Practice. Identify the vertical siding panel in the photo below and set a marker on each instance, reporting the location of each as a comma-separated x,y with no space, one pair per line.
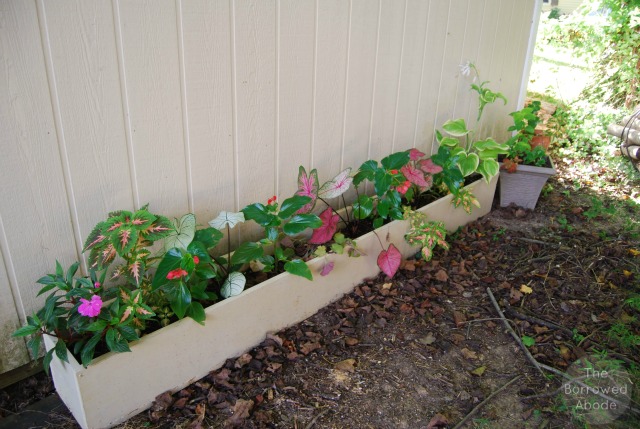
209,105
330,81
360,82
13,352
85,66
34,206
387,75
457,18
412,62
256,98
152,74
295,90
433,57
495,120
482,59
470,48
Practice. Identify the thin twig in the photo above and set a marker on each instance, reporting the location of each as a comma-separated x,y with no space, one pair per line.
538,321
513,334
483,403
530,240
313,422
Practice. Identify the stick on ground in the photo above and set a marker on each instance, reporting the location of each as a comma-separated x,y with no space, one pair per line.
513,334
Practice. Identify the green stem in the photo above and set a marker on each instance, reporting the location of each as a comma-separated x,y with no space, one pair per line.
346,211
228,250
334,210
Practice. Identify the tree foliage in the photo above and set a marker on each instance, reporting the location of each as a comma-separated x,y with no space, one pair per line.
606,33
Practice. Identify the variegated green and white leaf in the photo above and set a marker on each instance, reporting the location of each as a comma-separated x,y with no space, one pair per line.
225,219
184,230
233,285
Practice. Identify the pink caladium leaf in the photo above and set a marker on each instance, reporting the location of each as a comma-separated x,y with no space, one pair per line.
336,186
389,260
428,166
415,154
326,268
327,229
307,187
414,175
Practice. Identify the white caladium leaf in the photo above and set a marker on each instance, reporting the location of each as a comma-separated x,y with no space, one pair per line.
233,285
225,219
182,235
336,186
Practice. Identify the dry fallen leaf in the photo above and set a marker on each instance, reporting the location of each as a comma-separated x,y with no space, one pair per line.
515,295
438,421
459,318
350,341
479,371
347,365
526,289
442,276
469,354
240,412
428,339
634,252
243,360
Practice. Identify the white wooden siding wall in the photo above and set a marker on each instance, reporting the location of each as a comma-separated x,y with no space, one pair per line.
202,105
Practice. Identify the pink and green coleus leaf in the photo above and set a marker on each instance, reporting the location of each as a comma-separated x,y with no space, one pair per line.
336,186
142,219
389,260
307,187
414,176
96,236
124,239
158,229
329,227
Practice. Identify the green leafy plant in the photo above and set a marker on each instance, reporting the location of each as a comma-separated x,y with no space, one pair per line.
621,333
519,146
528,341
186,270
279,222
75,314
598,209
460,154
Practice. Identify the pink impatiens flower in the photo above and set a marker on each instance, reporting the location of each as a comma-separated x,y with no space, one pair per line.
90,308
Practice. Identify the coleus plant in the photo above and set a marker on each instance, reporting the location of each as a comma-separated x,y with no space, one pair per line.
130,236
279,221
424,233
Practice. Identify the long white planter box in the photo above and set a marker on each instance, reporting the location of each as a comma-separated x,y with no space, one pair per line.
117,386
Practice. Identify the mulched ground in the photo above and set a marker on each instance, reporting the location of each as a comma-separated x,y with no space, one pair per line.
425,348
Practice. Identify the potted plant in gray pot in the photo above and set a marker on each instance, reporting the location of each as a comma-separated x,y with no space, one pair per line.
525,169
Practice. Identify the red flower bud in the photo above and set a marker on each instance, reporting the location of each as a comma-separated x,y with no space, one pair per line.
196,260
